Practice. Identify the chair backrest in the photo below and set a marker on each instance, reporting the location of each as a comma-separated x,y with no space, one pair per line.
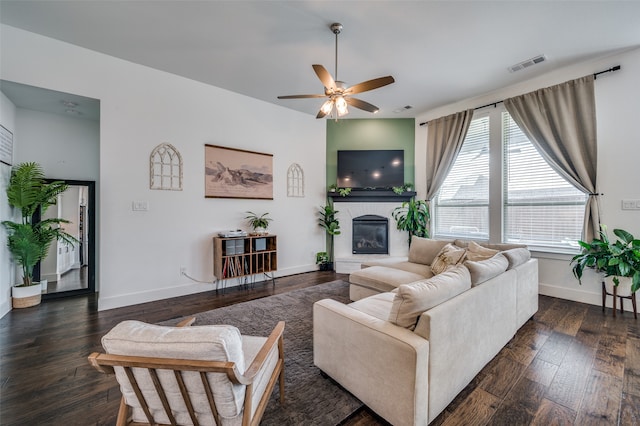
163,389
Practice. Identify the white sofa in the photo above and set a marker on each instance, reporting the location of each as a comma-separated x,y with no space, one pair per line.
408,363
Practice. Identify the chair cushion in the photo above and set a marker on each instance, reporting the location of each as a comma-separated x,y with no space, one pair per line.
449,256
476,252
484,270
424,250
411,300
208,343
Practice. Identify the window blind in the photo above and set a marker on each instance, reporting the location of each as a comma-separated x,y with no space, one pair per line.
541,209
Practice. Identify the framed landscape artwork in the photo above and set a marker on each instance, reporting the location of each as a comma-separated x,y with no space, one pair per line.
236,173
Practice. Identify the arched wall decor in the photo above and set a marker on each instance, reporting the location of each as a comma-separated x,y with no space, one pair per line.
165,168
295,181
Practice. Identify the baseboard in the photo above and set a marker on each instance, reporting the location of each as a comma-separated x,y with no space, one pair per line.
129,299
577,295
5,308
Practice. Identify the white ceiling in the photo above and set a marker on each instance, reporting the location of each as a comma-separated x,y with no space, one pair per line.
437,51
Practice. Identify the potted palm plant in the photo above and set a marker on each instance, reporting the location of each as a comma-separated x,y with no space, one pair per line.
413,216
331,225
618,261
259,223
29,241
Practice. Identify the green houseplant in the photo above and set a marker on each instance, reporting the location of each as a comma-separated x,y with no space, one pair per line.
619,259
29,241
413,216
331,225
259,224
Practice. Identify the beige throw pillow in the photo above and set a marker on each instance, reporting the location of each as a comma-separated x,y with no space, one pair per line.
449,256
517,256
424,250
411,300
476,252
484,270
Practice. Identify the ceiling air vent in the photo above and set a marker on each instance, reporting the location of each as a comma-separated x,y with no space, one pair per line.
402,109
526,64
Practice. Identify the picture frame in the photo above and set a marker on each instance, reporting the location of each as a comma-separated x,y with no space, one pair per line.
6,146
237,173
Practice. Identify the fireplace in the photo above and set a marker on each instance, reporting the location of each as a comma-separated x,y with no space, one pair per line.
370,235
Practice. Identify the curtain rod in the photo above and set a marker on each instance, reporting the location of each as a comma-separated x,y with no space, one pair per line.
595,76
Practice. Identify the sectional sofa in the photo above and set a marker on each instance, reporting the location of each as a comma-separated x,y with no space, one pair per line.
421,328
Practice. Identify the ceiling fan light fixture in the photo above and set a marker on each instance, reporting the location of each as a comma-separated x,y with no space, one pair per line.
327,107
341,106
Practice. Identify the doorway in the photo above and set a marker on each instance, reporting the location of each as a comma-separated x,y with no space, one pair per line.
69,269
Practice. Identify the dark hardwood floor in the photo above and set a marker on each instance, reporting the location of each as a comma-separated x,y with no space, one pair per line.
570,365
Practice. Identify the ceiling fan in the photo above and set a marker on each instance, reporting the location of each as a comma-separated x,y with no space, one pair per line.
337,92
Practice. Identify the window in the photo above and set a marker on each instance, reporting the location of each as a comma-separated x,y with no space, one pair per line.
541,209
527,203
461,208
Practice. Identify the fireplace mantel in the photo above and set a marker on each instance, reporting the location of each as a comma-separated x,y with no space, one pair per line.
371,196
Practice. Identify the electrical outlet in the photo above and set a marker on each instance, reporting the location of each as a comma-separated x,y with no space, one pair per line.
183,270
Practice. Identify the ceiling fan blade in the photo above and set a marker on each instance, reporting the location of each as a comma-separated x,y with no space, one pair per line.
301,96
325,77
366,106
369,85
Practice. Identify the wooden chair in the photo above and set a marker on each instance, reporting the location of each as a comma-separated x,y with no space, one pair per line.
189,386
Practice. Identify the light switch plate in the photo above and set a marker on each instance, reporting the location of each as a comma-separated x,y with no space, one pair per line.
139,206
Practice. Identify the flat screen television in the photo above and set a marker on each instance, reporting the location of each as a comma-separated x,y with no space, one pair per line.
377,169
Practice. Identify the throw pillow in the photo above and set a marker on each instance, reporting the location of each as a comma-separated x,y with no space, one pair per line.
424,250
517,256
450,255
411,300
484,270
476,252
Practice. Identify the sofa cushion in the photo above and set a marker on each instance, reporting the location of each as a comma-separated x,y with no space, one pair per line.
378,305
411,300
517,256
484,270
382,278
498,246
416,268
449,256
476,252
424,250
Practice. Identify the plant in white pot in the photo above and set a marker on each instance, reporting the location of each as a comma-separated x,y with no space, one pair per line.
29,242
618,262
259,223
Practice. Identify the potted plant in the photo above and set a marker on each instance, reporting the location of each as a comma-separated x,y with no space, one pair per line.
413,216
333,187
29,242
402,189
331,225
322,260
618,261
259,224
344,191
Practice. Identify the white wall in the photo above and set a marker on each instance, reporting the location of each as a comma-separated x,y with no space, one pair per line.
141,252
7,270
617,107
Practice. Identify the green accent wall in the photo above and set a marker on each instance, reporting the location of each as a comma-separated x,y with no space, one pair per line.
366,133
